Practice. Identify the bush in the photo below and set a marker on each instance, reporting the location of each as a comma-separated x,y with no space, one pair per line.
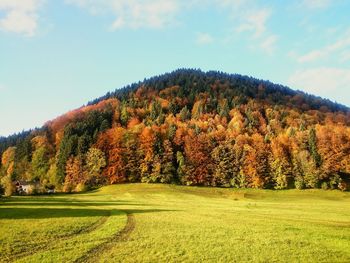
324,186
67,187
343,186
81,187
35,189
334,181
2,190
299,184
8,186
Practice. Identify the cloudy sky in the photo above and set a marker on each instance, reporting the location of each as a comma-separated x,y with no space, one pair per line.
57,55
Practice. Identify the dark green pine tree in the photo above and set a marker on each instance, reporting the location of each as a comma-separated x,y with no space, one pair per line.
181,167
68,147
168,169
185,114
156,110
224,170
84,143
223,109
124,114
313,147
131,158
173,107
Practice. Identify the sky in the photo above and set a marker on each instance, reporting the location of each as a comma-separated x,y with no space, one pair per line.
56,55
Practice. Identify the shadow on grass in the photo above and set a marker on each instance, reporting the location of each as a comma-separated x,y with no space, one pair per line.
46,213
25,201
69,204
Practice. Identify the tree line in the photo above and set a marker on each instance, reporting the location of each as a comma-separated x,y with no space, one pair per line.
190,128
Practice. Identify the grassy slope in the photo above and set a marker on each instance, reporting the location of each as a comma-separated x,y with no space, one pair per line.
176,224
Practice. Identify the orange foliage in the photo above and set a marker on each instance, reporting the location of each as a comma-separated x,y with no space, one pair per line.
39,141
111,142
133,122
60,122
169,92
8,157
147,139
197,151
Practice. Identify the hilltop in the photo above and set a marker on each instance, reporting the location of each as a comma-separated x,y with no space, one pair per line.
187,127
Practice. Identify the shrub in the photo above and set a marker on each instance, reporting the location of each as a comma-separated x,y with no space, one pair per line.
299,184
2,190
81,187
67,187
8,186
343,186
35,189
324,186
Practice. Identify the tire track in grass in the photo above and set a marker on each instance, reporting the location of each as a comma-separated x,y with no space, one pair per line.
123,235
48,244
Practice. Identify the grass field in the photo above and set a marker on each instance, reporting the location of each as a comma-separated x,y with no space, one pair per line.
166,223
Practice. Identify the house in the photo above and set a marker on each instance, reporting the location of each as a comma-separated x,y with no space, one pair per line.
24,187
51,191
28,188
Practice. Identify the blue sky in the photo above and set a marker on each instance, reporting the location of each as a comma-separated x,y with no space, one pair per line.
57,55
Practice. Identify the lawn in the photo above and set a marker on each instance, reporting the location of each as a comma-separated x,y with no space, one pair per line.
167,223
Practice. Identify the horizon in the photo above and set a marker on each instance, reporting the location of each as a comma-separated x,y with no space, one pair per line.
57,56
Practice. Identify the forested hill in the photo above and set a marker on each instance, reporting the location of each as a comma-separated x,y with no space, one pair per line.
191,82
187,127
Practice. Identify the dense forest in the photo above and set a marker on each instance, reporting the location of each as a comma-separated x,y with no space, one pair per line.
187,127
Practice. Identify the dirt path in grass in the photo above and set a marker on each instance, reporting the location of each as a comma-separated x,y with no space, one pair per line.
48,244
94,254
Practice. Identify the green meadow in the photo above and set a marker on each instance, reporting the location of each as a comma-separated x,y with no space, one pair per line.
167,223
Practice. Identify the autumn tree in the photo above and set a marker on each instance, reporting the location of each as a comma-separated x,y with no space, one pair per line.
146,153
111,142
68,147
185,114
22,158
313,147
223,108
40,163
280,162
197,152
95,162
197,110
75,174
124,114
181,170
7,166
168,168
224,165
255,162
130,156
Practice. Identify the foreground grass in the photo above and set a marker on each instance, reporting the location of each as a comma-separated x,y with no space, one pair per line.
176,224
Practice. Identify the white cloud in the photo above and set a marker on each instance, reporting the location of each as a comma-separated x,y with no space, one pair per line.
133,13
204,38
311,56
339,45
268,44
316,4
235,4
244,15
21,16
327,82
345,56
255,22
247,16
